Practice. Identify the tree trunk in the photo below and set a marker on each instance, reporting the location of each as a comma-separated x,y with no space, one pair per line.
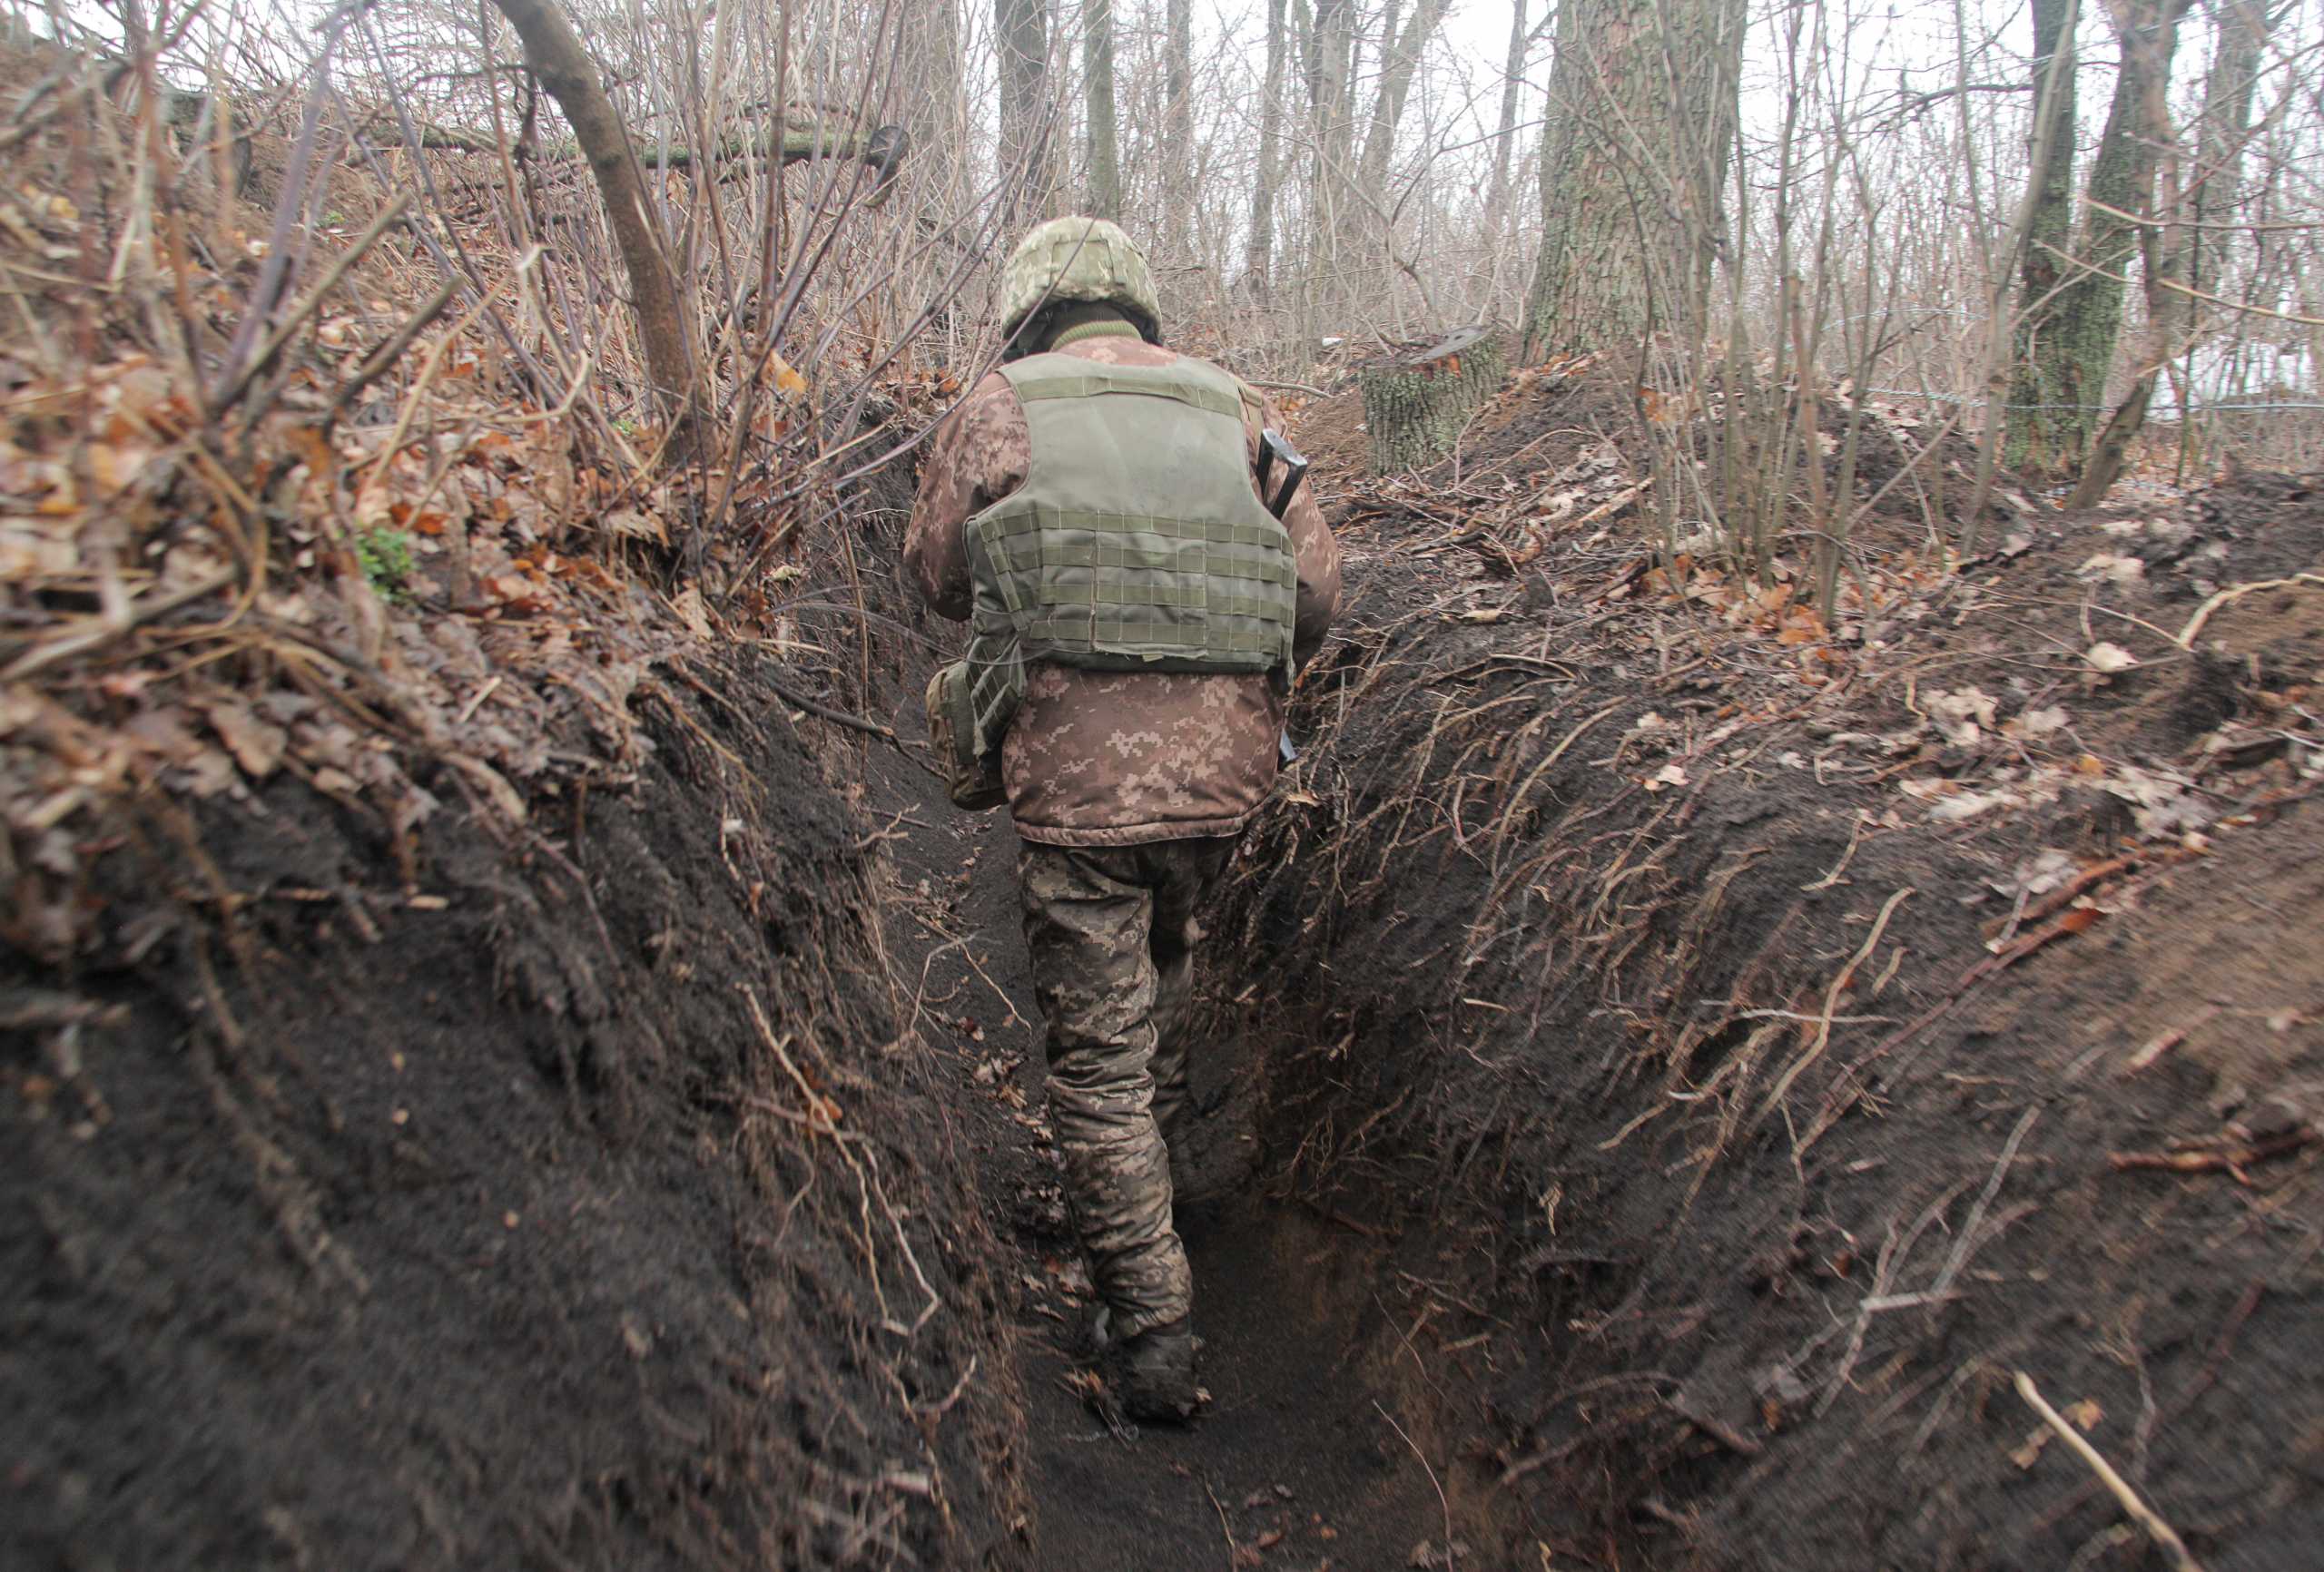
664,317
934,107
1400,54
1105,166
2217,186
2032,442
1418,400
2164,254
2072,357
1330,61
1258,257
1512,85
1028,166
1178,131
1642,104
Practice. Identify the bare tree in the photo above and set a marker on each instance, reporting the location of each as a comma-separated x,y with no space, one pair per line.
1330,50
1259,256
1104,197
2050,140
1022,40
2073,353
2168,246
1179,125
1505,142
1642,107
664,317
1400,53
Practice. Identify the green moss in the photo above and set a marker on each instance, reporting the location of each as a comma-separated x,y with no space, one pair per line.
384,557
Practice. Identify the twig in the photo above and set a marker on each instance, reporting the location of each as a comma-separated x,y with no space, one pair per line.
2064,896
1967,1242
1831,1002
100,630
1833,877
311,302
2233,1162
1449,1554
836,717
2162,1043
1234,1551
2186,639
2173,1548
388,353
476,699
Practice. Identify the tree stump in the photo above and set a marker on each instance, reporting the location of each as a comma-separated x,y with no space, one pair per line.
1419,397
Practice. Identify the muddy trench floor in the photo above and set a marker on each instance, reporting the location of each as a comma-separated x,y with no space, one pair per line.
1315,1448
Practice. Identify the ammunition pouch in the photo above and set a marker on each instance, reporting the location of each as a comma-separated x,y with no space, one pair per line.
971,773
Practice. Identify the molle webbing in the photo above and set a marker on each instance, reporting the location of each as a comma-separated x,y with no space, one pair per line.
1136,542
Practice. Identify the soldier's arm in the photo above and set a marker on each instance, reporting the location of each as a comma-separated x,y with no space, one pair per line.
978,457
1316,552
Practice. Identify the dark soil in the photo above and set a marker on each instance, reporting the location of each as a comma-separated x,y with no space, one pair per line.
480,1229
1545,944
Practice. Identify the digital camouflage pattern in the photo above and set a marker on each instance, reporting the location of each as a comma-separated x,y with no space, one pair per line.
1111,935
1114,758
1128,788
1078,258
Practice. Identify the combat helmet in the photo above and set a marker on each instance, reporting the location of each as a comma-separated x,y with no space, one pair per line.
1079,260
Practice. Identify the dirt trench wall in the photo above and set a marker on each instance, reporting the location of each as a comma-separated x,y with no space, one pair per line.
1542,935
583,1209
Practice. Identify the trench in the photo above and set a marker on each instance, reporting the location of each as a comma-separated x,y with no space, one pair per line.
509,1225
1327,1440
1526,1255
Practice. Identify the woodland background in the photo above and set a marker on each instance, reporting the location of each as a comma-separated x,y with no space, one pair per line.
2097,218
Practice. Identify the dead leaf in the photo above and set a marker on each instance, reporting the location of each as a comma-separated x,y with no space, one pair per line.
1961,715
2113,566
693,611
1963,805
257,745
2042,722
2109,658
637,526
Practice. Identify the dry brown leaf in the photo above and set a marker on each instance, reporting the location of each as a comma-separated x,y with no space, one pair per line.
693,611
257,745
629,521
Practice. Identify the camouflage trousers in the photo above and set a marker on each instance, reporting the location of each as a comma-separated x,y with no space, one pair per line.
1110,932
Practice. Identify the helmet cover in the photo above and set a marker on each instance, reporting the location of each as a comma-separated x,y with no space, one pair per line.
1082,260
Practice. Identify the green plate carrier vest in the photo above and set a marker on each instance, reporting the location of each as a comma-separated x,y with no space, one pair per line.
1137,543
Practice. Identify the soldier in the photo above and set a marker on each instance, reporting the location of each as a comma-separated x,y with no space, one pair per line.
1095,510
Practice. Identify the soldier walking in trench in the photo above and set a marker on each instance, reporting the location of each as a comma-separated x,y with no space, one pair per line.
1142,578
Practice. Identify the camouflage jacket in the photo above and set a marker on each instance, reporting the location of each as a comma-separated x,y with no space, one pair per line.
1113,758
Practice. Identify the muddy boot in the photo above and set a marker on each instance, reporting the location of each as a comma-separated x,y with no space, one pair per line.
1155,1374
